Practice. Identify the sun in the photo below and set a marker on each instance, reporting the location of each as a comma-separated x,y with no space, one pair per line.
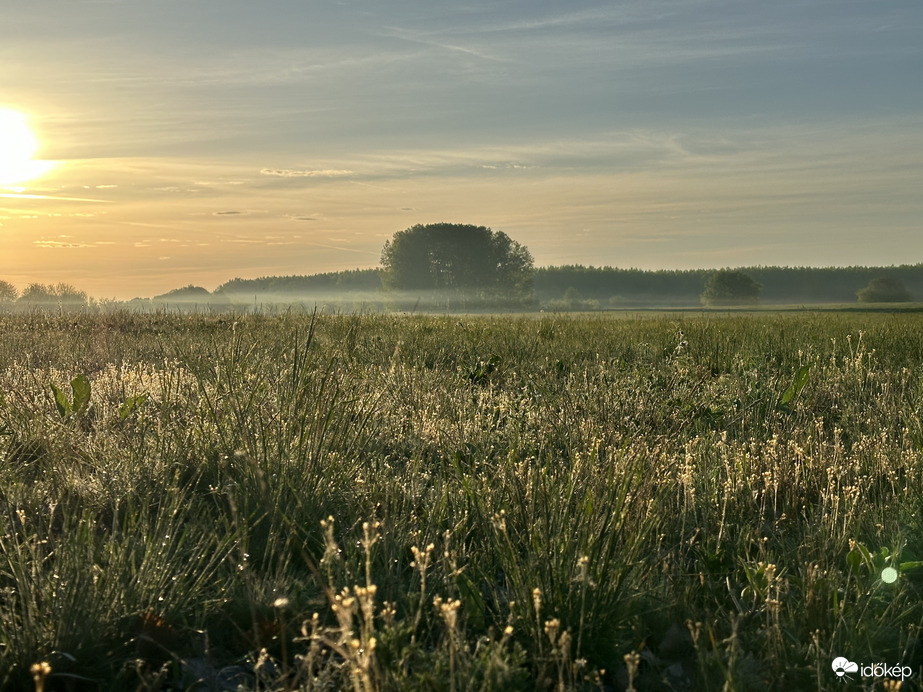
17,147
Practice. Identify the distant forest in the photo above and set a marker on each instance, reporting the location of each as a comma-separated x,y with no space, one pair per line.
576,286
365,280
781,285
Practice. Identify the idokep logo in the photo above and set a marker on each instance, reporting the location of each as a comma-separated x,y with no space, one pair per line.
843,667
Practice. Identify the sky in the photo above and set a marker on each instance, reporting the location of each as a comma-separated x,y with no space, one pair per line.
196,141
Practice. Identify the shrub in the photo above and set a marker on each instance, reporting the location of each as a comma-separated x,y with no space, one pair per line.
727,287
884,289
8,292
60,294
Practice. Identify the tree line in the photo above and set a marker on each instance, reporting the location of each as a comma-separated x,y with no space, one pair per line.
464,267
613,286
43,294
588,287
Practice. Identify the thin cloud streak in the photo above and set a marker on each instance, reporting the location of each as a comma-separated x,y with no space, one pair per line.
295,173
53,197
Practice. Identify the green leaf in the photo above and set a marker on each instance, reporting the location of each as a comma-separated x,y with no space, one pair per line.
880,560
81,388
798,383
858,557
130,404
914,564
60,400
484,369
475,607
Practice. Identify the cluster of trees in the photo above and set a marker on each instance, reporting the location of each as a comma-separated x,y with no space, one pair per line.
355,280
613,287
457,266
885,289
44,295
443,265
728,287
460,263
462,266
476,262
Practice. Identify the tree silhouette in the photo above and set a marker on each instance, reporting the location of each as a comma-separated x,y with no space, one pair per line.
8,292
473,262
53,294
729,287
884,290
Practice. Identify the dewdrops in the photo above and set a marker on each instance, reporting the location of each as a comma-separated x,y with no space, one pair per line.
498,520
40,671
448,609
551,629
419,557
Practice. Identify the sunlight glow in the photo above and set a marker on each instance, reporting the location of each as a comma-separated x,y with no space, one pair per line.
17,147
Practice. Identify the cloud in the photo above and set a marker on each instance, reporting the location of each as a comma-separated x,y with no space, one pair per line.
52,197
420,38
296,173
57,244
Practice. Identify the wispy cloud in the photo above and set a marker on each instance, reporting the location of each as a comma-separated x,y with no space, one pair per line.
445,45
53,197
300,173
60,244
344,248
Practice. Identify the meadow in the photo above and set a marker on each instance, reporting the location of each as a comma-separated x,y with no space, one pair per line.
384,502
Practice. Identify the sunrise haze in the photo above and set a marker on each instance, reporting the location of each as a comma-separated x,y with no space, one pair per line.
198,141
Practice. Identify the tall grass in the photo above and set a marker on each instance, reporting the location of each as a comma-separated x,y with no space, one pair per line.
384,502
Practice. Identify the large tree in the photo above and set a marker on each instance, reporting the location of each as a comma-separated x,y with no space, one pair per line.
8,292
884,289
730,287
467,260
53,294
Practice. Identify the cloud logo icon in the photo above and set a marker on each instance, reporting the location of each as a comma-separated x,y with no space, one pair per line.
841,666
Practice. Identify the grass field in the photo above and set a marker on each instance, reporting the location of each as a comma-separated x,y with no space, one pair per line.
452,503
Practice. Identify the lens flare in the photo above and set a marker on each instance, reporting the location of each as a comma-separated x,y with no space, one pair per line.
18,146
